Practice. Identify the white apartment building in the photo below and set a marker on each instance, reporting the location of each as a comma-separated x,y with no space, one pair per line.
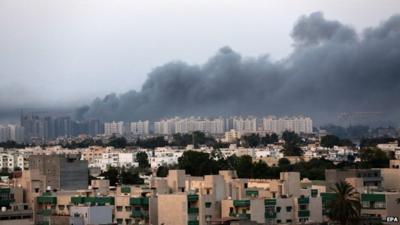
11,132
245,125
188,125
139,127
4,133
231,136
166,127
164,156
12,160
114,128
102,157
298,124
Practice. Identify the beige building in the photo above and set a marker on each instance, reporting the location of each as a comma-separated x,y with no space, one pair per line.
181,199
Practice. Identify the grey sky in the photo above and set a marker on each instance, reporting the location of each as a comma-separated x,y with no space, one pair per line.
68,52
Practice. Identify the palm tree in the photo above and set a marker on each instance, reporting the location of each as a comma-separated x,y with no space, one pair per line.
345,209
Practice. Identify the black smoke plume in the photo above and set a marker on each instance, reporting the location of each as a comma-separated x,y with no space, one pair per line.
332,69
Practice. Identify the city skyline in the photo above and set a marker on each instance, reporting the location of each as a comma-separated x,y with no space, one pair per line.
200,112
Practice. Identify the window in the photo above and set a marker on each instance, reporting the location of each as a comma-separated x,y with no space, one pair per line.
288,221
379,205
208,204
365,204
288,208
278,221
303,207
278,209
119,208
302,220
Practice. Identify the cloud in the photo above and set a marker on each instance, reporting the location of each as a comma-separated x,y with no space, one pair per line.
332,69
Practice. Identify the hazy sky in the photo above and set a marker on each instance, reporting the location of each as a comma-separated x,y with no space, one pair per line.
68,52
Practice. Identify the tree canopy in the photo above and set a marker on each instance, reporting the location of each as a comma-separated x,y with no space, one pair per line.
143,160
346,207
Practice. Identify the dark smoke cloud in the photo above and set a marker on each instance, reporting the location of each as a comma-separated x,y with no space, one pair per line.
331,70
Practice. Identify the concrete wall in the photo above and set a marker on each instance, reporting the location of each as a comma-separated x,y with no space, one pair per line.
172,209
257,210
73,174
95,214
391,178
17,222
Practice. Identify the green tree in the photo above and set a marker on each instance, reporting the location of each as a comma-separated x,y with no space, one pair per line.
313,169
196,163
373,158
130,176
162,171
345,209
11,144
151,143
269,139
117,142
143,160
283,162
182,140
112,174
291,138
329,141
252,140
244,166
260,170
292,150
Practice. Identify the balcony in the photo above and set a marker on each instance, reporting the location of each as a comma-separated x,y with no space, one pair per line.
76,200
126,190
373,197
193,210
270,202
43,223
137,214
99,200
303,213
270,215
252,193
47,200
44,212
193,222
241,203
6,202
193,198
244,216
303,201
145,201
314,193
5,190
139,201
327,197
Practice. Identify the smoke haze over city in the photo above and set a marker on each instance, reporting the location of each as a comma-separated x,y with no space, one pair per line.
127,62
333,69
